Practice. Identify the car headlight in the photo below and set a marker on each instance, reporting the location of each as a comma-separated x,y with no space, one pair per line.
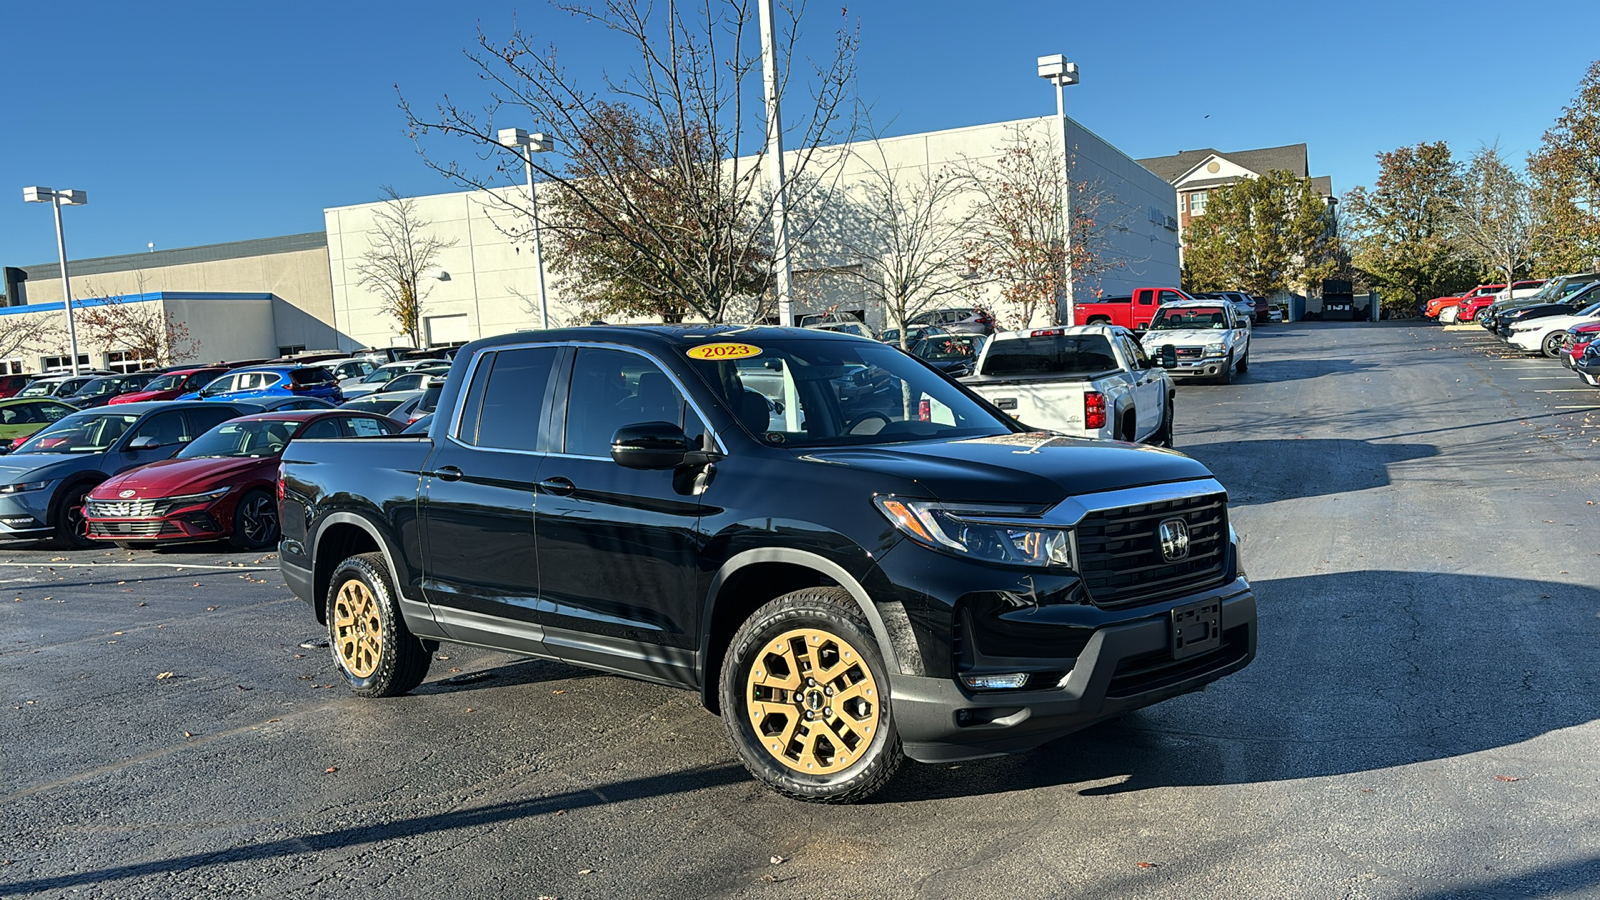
24,487
1216,349
194,499
990,533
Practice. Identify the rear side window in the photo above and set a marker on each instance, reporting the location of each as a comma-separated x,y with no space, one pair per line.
316,375
1049,355
203,420
316,431
507,398
365,427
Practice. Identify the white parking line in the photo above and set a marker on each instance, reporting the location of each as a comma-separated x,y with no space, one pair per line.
1578,407
62,565
1566,391
1544,377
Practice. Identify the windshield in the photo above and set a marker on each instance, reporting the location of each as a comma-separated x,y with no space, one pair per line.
950,347
248,439
100,387
1169,318
83,433
379,376
36,389
829,393
166,383
1050,355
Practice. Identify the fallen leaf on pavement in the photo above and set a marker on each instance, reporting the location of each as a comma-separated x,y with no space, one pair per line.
212,608
585,871
165,675
1506,778
1146,865
330,770
776,860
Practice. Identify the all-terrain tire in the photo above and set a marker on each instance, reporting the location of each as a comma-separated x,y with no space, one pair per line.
789,665
1163,435
1226,377
1244,361
371,645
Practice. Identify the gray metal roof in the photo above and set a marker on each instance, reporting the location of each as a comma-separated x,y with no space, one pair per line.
1290,158
288,243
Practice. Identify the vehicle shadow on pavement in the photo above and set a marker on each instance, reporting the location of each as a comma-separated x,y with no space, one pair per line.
522,671
421,826
1321,466
1366,671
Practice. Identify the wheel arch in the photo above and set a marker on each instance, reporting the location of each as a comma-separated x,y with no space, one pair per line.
89,479
338,537
753,578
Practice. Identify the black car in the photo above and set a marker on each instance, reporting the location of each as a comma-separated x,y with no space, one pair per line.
1572,305
849,579
99,391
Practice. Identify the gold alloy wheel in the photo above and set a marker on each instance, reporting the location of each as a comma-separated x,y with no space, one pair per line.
357,630
812,701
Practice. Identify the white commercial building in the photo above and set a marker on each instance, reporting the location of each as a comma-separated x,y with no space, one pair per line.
484,282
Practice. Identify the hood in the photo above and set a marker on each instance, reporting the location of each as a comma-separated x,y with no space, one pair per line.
1185,336
19,468
176,477
1553,323
1018,468
140,396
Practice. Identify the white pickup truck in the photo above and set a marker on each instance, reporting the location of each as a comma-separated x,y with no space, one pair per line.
1091,381
1208,336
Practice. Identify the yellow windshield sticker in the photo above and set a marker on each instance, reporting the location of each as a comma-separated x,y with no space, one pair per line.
724,351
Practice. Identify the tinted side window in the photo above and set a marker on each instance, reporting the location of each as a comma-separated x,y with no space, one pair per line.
513,399
327,428
203,420
167,428
610,389
364,427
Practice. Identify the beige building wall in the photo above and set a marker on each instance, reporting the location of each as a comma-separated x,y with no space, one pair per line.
301,313
485,282
230,328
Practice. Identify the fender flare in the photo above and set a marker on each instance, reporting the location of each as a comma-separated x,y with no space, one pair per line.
892,655
365,524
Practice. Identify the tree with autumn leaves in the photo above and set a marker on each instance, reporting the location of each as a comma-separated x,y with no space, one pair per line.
1263,235
1565,176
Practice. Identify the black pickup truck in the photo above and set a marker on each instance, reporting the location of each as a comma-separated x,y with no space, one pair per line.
848,575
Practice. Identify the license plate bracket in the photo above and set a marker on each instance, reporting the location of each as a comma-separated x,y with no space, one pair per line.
1196,628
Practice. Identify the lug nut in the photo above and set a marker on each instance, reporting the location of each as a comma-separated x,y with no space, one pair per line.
828,690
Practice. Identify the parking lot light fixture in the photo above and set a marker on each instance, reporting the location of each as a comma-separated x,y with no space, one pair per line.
1056,70
55,198
528,145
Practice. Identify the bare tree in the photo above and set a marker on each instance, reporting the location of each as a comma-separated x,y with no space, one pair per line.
29,333
144,329
657,202
905,232
1497,218
1019,235
401,251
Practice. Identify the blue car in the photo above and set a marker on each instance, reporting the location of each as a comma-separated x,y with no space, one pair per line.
263,382
43,483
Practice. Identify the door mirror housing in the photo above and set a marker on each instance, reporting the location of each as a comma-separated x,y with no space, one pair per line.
144,443
650,445
1168,357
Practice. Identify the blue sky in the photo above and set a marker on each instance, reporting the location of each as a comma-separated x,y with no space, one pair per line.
203,122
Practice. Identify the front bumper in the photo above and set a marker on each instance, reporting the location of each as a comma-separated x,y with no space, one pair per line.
26,515
1121,668
1205,367
1529,341
211,521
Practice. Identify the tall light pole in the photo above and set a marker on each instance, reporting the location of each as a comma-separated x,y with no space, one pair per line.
56,198
780,215
532,143
1061,73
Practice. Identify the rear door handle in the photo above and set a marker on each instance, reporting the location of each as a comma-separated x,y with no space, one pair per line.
558,486
448,473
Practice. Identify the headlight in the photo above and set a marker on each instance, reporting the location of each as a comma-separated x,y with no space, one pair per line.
990,533
24,487
1216,349
194,499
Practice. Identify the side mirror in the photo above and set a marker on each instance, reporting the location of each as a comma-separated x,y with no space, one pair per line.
650,445
144,443
1168,358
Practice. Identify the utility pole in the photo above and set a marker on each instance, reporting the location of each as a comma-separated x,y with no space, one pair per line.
780,219
1061,73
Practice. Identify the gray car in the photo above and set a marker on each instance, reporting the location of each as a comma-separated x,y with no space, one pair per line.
43,483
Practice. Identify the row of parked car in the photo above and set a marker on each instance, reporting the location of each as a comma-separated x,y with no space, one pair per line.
1561,321
189,453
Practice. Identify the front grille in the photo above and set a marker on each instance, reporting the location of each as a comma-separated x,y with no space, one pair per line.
122,509
1119,555
1188,352
133,529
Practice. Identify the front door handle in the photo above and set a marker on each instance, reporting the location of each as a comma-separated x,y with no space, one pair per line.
558,486
448,473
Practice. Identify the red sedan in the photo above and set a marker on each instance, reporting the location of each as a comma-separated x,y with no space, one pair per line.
221,487
1581,336
174,384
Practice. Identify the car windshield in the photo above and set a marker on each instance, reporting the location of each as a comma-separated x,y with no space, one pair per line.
800,393
37,389
166,383
254,439
379,376
1170,318
100,387
949,347
82,433
1050,355
380,405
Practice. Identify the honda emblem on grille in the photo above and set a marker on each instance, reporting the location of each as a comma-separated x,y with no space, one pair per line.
1173,534
126,494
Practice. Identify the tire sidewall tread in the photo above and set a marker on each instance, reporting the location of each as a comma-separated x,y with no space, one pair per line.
827,608
402,661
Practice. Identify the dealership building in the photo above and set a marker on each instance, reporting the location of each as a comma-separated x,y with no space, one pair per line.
279,295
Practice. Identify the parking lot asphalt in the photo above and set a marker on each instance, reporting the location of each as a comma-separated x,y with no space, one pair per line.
1418,515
